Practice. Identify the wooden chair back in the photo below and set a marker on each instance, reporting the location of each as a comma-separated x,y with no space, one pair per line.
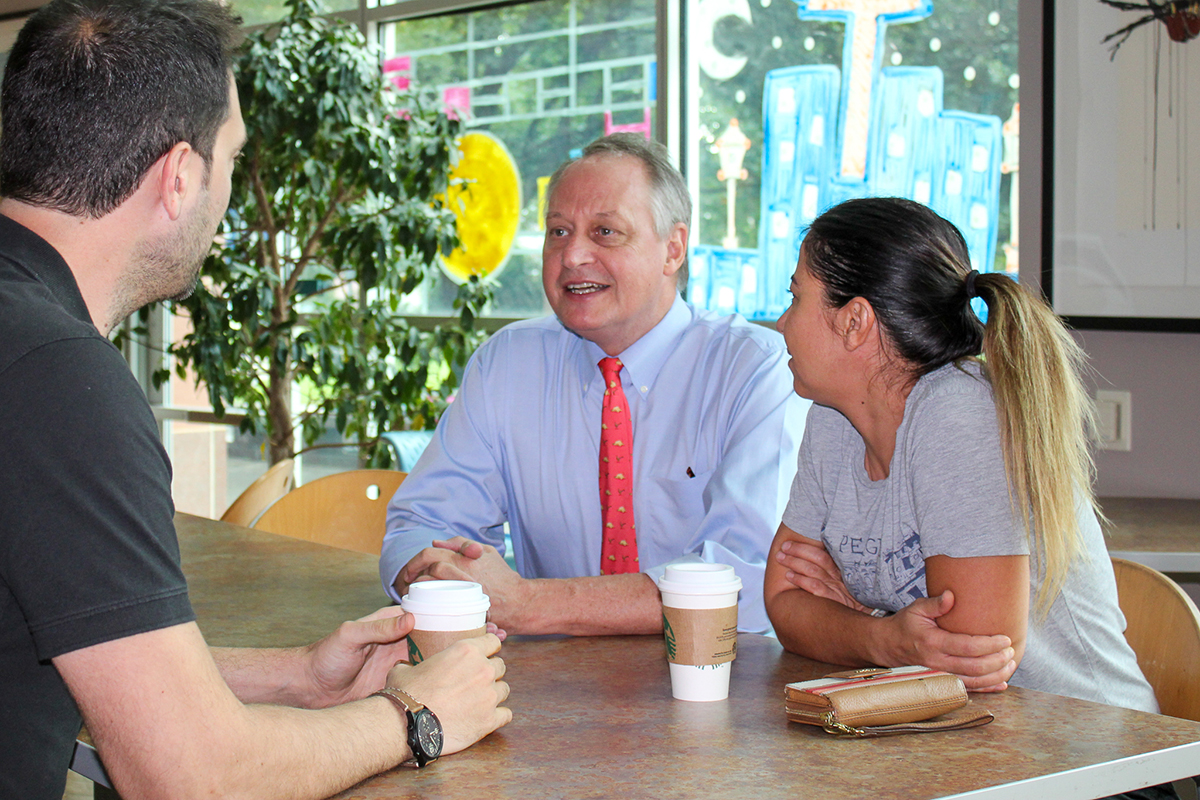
266,489
346,510
1164,631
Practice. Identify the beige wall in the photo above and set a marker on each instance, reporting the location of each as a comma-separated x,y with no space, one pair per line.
1162,372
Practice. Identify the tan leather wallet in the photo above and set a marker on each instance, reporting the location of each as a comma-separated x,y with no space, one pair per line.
882,702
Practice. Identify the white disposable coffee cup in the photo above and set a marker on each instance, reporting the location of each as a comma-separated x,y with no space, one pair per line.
701,587
444,612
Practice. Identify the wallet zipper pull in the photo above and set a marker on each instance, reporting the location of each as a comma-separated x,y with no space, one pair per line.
831,725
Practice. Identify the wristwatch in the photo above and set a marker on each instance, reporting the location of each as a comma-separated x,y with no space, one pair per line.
424,729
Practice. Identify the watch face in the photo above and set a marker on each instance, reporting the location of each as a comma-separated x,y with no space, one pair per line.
429,733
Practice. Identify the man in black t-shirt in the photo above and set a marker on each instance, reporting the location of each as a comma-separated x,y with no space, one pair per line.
121,126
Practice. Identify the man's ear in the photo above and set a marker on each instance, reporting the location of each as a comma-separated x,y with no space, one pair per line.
178,177
676,248
855,323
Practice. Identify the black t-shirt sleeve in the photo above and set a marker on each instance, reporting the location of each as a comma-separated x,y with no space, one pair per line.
89,552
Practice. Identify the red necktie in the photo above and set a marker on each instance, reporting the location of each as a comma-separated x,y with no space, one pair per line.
618,548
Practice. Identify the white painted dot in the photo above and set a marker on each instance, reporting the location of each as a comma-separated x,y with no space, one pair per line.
740,96
896,145
896,59
787,151
777,42
1014,81
808,201
921,191
816,134
935,44
954,183
994,18
926,104
781,226
785,103
978,216
980,158
809,43
969,73
765,3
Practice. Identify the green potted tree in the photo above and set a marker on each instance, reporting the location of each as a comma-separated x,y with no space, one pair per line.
337,211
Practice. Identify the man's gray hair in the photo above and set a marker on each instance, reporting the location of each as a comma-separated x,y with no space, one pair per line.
670,202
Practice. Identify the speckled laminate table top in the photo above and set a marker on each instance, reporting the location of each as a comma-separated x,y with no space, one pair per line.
593,717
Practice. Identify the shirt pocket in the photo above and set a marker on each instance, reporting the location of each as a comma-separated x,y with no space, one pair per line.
675,508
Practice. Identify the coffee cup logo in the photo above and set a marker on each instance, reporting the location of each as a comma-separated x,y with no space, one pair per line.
423,644
700,637
414,652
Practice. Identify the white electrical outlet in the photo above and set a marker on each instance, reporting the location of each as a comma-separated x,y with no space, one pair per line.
1113,412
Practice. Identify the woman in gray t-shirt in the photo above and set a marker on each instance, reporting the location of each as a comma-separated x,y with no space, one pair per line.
942,511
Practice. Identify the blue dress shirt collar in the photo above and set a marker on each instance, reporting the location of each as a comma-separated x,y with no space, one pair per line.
643,359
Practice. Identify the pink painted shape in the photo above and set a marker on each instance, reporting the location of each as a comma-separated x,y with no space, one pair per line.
398,64
642,127
457,101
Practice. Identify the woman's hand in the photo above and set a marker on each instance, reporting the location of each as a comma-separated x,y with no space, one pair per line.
809,567
913,636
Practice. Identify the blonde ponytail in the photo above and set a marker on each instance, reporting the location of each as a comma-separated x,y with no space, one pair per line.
1046,421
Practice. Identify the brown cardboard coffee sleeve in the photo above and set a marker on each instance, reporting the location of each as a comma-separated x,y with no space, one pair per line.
700,636
423,644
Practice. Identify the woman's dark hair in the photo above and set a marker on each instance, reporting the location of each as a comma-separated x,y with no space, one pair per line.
913,267
96,91
910,265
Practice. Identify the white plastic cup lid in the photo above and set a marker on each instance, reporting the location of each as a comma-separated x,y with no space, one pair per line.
699,578
445,597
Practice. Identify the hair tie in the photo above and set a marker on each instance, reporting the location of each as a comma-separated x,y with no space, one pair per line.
971,293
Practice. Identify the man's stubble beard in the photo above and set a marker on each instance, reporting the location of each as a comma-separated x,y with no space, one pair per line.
168,268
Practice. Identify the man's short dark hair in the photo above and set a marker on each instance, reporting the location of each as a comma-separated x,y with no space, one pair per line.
96,91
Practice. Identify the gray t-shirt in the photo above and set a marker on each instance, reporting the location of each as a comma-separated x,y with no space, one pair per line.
945,495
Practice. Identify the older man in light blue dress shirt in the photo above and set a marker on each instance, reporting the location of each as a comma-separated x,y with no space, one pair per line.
716,425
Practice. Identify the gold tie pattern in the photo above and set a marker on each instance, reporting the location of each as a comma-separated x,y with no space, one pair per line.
618,548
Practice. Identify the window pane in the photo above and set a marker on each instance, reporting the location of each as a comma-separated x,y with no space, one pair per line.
794,87
261,12
539,78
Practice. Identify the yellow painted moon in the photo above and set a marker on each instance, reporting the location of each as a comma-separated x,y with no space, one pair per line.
486,200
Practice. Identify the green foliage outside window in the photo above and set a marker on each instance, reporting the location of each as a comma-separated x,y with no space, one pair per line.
336,213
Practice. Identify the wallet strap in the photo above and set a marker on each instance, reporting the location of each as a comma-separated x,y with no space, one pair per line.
964,718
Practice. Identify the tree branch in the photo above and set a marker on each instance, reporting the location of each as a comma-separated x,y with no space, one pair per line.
359,445
266,244
337,197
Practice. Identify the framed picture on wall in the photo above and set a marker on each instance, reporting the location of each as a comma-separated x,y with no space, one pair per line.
1123,164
